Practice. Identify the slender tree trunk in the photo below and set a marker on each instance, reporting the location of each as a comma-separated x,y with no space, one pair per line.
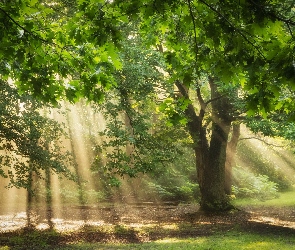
230,156
30,199
33,138
48,197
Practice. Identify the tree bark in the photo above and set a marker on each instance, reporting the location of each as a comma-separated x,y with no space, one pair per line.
210,159
213,193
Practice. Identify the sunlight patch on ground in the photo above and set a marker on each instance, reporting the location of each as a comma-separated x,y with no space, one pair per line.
169,240
17,221
141,225
273,221
42,226
265,219
12,222
259,245
67,225
170,226
185,241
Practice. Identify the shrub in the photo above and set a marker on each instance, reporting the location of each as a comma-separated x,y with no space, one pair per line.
253,186
185,192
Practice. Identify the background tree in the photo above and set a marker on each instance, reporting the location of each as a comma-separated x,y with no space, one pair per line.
29,141
138,138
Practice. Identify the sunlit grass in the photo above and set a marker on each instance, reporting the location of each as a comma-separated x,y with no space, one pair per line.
220,240
286,199
231,240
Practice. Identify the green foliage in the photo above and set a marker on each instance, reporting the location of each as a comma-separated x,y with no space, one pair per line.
52,53
241,42
278,126
175,181
136,138
188,192
235,41
29,141
247,185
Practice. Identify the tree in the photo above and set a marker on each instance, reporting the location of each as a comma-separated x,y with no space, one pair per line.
246,45
137,137
29,141
226,43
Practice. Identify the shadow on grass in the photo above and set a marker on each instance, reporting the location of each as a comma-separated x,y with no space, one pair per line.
192,226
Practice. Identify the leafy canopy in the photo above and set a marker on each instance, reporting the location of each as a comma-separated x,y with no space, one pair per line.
49,52
62,49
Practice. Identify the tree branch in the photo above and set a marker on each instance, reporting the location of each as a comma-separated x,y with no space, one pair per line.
203,104
272,14
289,28
195,34
182,89
215,99
34,35
22,27
235,28
259,139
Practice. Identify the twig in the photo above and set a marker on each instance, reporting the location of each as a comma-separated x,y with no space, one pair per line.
23,28
257,138
235,28
34,35
195,34
287,21
214,99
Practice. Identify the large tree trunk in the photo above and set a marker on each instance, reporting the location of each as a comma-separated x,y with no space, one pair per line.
210,160
212,175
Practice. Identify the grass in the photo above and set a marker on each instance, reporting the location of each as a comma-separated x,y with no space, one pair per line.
230,240
234,238
225,242
285,199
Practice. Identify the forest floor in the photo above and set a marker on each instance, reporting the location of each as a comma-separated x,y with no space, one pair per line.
147,222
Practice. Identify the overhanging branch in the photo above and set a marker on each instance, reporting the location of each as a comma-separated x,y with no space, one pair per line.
235,28
22,27
195,34
259,139
214,99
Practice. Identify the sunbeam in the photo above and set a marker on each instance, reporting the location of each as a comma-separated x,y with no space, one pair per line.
62,204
